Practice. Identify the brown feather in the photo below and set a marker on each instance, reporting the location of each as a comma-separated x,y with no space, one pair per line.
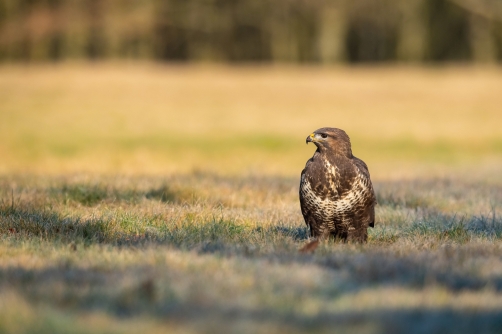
336,194
309,247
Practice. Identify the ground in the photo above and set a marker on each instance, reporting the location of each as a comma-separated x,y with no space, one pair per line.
154,198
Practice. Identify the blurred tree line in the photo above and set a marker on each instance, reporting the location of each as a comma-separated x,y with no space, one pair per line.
324,31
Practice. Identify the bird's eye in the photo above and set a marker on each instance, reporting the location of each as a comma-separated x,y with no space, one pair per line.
324,135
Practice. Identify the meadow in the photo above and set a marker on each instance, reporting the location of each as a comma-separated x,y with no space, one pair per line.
140,197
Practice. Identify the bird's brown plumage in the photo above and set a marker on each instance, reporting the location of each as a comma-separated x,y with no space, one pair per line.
336,194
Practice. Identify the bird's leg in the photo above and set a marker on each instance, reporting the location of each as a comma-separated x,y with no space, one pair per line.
342,235
325,234
312,235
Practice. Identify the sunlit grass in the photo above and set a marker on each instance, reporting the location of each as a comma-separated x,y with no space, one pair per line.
153,119
197,249
165,199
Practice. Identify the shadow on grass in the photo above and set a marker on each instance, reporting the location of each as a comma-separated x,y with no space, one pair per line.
416,320
208,235
175,189
93,194
455,228
170,194
141,299
435,192
121,292
293,232
29,222
445,266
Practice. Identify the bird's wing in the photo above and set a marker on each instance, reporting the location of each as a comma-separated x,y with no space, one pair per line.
361,165
363,169
370,211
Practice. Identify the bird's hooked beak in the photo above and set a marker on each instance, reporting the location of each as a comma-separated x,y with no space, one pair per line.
310,138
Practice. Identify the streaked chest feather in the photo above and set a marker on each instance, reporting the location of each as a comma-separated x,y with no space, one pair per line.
323,193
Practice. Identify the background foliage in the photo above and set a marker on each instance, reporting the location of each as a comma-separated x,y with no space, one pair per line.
298,31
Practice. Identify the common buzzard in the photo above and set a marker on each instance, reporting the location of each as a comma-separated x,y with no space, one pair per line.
336,194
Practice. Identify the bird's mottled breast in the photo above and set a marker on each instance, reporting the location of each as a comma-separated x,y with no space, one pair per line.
324,178
333,185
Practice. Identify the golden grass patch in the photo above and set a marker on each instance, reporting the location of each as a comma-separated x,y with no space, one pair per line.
149,118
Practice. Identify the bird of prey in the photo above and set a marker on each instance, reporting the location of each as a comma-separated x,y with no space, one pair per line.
336,194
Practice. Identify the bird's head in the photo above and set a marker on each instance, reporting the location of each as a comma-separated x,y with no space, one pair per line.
331,140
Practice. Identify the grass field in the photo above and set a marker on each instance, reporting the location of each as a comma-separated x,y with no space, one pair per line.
164,199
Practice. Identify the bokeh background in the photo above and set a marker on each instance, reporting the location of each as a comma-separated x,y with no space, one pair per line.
151,86
295,31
